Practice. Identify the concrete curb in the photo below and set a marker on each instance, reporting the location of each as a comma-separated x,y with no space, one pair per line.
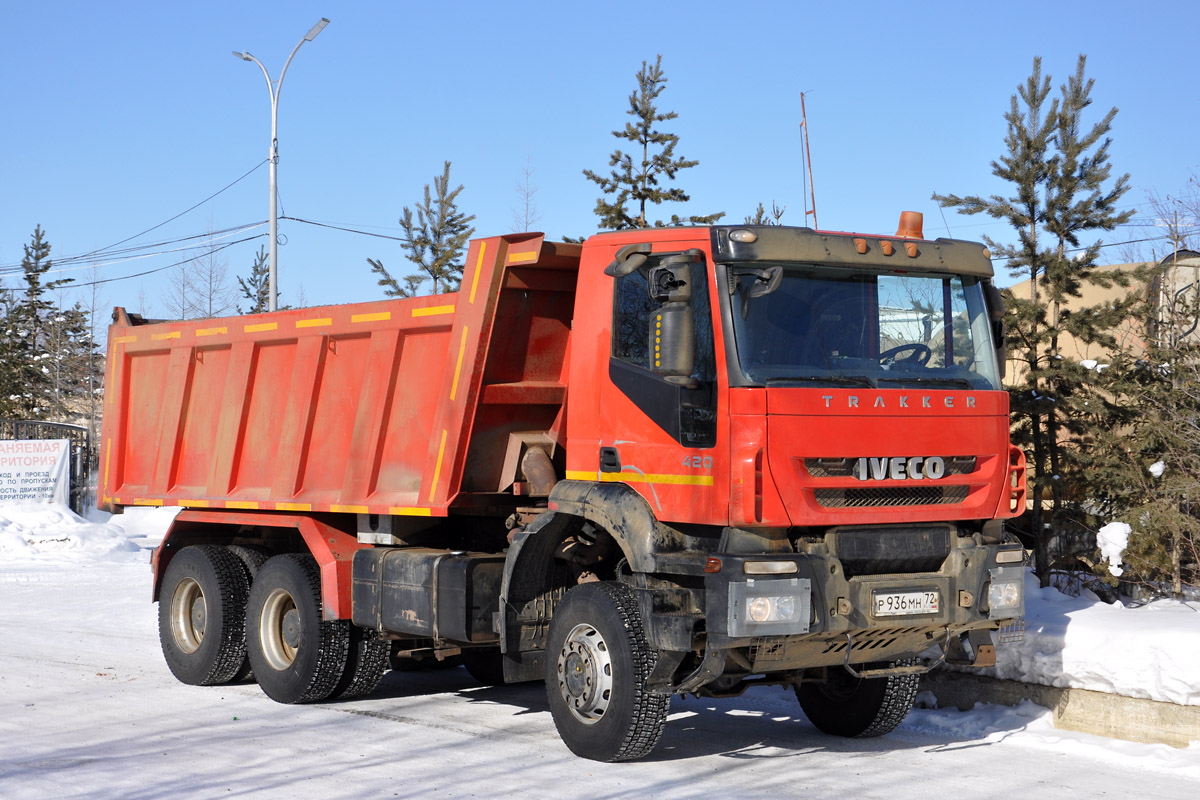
1099,713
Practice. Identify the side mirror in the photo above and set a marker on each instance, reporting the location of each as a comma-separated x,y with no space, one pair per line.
672,332
994,301
629,258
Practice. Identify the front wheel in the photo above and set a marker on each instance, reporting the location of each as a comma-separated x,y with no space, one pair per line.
845,705
297,656
597,664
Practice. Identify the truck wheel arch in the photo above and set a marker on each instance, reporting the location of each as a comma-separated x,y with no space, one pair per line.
624,514
332,547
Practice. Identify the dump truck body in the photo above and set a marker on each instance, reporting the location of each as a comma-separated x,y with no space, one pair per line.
729,455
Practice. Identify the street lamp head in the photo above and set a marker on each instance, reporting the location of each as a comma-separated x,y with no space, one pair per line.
320,26
245,56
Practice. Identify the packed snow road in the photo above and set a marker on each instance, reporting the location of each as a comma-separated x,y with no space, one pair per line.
89,709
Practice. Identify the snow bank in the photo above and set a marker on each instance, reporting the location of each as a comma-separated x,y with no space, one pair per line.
51,533
1150,651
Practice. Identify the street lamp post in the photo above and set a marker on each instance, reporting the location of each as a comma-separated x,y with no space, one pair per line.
273,89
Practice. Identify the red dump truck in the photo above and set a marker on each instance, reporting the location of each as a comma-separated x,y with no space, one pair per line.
682,460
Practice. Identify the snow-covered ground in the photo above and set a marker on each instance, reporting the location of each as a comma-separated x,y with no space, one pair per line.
88,709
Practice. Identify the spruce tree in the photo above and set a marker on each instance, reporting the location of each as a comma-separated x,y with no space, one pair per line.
11,386
1060,174
762,216
638,178
436,241
32,315
1146,468
256,287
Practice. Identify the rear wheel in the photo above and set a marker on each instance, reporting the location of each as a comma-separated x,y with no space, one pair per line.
252,558
366,661
201,615
845,705
297,656
597,664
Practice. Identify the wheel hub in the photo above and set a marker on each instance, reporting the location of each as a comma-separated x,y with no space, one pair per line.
189,615
199,615
291,628
585,677
279,629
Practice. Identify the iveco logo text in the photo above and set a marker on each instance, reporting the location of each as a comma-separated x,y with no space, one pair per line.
926,401
917,468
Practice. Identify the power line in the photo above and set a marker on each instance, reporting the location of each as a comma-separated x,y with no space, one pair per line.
169,266
135,253
347,230
6,269
177,216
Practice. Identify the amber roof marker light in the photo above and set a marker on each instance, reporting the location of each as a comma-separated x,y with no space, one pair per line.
911,225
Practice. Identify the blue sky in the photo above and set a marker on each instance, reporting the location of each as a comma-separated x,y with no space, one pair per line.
118,116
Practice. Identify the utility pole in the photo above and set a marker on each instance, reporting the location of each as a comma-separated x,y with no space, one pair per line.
273,155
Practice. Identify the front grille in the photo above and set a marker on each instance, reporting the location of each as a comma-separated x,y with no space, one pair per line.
891,496
844,467
880,550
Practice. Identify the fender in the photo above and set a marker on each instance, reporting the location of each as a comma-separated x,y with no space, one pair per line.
333,549
649,546
525,587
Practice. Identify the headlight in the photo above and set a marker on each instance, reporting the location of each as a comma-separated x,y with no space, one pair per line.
1006,593
770,607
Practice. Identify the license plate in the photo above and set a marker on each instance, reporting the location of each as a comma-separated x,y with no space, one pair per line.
903,604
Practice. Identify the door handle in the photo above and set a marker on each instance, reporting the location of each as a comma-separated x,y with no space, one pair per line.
610,459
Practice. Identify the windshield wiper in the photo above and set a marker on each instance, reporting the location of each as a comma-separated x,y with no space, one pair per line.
955,383
835,380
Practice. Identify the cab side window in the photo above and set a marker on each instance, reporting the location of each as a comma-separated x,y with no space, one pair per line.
683,407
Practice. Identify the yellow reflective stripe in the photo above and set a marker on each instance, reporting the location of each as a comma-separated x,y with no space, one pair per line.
581,475
212,331
348,509
379,317
293,506
478,266
144,502
432,311
241,504
158,337
262,326
673,480
321,322
410,512
517,258
125,340
437,467
194,503
462,348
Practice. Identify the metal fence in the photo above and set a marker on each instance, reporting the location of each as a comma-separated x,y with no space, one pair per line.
83,458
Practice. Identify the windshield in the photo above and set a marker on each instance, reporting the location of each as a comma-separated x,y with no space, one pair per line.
809,325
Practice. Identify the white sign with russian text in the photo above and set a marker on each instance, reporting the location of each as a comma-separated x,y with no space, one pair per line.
37,469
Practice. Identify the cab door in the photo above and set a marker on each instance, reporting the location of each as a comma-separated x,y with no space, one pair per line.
659,405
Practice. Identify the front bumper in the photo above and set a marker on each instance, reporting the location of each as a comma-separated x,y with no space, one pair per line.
790,611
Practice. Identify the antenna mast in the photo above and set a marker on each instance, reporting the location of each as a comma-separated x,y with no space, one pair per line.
812,192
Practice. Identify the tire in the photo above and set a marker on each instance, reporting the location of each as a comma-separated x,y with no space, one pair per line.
252,559
297,656
485,665
201,615
597,663
251,556
858,707
366,661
